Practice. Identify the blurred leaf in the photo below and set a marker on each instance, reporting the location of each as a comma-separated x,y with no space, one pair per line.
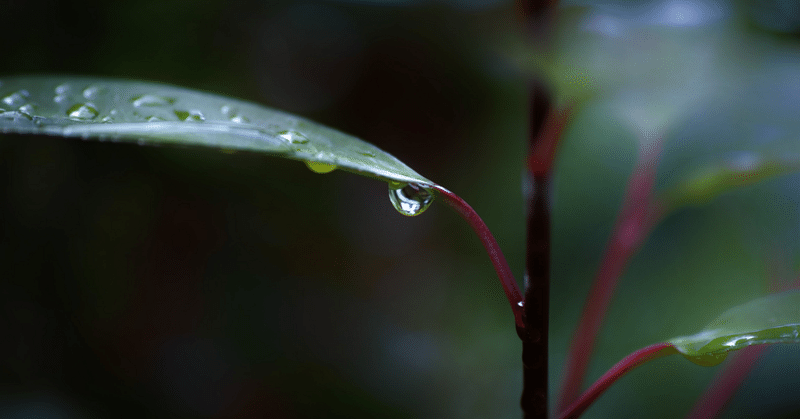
156,114
714,180
771,319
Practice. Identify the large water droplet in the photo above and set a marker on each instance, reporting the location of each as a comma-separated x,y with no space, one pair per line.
409,199
17,98
318,167
82,111
152,100
707,360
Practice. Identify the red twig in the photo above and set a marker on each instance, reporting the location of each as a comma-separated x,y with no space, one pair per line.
492,248
615,373
636,218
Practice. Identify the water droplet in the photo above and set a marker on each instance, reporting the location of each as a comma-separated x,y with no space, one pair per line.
191,116
239,119
293,137
521,304
318,167
409,199
17,98
82,111
91,92
155,119
62,88
60,99
707,360
366,153
226,110
15,116
152,100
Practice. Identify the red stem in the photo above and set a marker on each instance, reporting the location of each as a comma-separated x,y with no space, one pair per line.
492,248
636,218
615,373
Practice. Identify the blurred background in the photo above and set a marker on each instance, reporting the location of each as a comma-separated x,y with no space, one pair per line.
160,282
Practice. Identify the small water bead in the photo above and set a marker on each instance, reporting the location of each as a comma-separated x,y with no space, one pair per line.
409,199
318,167
60,99
190,116
151,100
82,111
239,119
293,137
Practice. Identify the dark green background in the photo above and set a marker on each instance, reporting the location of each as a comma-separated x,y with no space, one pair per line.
154,282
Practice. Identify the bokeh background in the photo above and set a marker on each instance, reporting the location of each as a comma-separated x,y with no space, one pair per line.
164,282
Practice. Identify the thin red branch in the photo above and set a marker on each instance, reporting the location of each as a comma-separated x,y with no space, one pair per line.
615,373
492,248
638,214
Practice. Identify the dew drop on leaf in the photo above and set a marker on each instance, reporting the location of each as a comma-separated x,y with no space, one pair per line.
409,199
190,116
318,167
82,111
293,137
707,360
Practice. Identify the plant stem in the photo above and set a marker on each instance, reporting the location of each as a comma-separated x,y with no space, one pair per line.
615,373
492,248
637,216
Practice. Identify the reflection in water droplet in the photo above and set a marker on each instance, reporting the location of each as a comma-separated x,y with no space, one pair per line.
318,167
191,116
293,137
409,199
152,100
16,99
82,111
91,92
62,88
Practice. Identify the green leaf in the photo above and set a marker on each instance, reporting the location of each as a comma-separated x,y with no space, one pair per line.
771,319
160,114
713,180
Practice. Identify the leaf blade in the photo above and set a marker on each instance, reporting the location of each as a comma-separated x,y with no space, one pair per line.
161,114
771,319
